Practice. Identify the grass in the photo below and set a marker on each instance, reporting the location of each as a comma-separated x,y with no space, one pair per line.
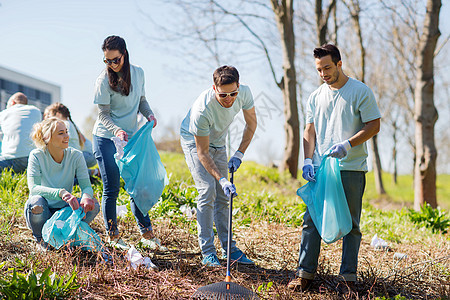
267,220
403,191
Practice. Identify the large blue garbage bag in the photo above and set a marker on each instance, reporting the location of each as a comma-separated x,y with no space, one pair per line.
66,227
142,170
326,201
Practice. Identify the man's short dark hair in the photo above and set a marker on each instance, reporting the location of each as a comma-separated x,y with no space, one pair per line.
225,75
328,49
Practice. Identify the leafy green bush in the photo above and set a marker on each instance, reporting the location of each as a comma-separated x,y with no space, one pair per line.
436,219
45,285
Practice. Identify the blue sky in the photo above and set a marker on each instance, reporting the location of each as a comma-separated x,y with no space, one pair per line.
60,41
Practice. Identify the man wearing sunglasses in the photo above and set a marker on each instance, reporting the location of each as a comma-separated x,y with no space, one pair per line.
203,135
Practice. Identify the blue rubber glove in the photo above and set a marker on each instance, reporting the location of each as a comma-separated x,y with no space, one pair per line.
308,170
228,187
340,150
235,161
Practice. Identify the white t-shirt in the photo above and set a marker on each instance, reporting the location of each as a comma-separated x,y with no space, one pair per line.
208,118
124,109
339,114
16,124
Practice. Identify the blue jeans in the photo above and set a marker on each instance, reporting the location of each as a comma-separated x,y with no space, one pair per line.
212,203
37,212
104,151
18,165
90,159
354,183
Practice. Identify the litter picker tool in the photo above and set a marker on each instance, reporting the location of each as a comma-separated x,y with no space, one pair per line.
226,290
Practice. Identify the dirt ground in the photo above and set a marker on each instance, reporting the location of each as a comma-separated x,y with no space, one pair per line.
423,274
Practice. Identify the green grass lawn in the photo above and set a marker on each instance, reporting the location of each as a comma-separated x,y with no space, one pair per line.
403,191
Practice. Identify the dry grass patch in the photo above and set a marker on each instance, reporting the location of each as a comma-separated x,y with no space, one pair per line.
424,274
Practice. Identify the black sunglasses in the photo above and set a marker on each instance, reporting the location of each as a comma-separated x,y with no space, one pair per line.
115,61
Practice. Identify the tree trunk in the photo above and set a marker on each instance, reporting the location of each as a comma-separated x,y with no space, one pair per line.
394,153
355,10
377,171
425,113
284,14
322,20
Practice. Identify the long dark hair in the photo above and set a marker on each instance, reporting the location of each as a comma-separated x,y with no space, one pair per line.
120,84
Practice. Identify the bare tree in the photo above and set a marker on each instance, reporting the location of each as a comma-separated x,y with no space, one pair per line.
355,11
322,18
284,15
222,27
425,113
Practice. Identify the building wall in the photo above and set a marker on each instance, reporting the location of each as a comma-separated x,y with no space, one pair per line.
40,93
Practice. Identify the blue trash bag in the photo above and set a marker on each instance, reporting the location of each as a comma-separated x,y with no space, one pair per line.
326,201
142,170
65,227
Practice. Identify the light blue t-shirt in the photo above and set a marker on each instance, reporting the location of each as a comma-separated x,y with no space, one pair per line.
16,124
208,118
124,109
339,114
46,177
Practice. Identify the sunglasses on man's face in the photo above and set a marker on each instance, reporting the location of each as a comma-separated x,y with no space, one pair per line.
115,61
232,94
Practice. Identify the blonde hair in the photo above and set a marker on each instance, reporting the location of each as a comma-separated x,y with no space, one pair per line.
43,131
58,107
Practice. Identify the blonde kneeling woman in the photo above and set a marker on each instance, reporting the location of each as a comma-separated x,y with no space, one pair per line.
50,174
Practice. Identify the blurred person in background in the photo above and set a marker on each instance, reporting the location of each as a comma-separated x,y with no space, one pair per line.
16,124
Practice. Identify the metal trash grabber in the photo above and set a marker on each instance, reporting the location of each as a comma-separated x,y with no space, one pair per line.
226,290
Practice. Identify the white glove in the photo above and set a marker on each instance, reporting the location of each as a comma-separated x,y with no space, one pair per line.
228,187
340,150
120,144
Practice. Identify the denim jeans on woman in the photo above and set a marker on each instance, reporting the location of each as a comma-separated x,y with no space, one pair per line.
354,183
37,212
104,151
212,203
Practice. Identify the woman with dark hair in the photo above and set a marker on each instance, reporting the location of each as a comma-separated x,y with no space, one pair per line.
120,95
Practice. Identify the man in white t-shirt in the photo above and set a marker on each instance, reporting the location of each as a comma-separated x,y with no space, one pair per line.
16,124
341,115
203,134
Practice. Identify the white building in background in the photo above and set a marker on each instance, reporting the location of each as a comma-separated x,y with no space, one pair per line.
40,93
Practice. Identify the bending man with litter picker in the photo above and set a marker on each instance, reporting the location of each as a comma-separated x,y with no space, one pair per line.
341,114
203,134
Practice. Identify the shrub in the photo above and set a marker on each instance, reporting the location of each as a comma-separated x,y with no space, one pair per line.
436,219
45,285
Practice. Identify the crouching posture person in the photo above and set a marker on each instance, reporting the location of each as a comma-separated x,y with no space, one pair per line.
203,133
51,170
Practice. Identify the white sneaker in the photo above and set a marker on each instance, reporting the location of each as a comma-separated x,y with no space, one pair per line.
118,243
153,244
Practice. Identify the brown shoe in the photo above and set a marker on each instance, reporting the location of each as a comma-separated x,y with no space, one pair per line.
347,287
300,284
